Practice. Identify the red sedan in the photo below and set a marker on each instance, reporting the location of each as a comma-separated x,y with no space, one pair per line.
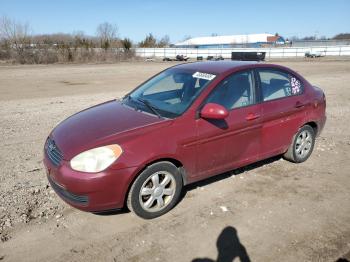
185,124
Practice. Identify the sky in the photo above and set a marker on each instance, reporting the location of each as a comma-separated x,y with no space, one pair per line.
180,18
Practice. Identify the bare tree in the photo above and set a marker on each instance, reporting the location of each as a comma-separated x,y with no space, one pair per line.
149,41
164,41
17,44
294,38
16,36
309,38
343,36
107,33
126,43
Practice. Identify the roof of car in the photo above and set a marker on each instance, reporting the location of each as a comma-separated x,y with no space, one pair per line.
216,67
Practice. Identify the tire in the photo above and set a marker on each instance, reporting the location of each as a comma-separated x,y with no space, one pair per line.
161,184
302,145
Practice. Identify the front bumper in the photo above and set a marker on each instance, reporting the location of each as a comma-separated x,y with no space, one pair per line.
81,200
92,192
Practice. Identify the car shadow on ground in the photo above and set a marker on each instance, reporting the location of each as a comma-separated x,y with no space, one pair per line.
229,247
202,183
226,175
112,212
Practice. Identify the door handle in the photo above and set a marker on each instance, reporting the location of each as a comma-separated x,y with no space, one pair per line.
299,105
252,116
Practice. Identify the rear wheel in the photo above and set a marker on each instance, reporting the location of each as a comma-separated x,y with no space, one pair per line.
155,191
302,145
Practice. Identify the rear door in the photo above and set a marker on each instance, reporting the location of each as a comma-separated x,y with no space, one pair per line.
234,141
283,103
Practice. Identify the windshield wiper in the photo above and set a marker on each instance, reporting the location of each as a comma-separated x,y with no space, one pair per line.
148,104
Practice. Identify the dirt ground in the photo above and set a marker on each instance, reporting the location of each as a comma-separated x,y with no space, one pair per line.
271,211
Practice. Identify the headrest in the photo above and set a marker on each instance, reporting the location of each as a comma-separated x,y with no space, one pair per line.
278,82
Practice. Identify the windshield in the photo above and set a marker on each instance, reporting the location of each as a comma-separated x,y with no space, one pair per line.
170,93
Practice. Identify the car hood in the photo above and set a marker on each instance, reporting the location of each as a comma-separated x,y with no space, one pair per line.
88,128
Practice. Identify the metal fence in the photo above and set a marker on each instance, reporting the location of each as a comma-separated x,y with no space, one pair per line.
226,52
311,43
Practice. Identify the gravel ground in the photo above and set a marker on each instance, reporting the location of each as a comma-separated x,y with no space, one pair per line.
271,211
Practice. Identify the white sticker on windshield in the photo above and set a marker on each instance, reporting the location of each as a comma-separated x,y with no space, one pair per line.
205,76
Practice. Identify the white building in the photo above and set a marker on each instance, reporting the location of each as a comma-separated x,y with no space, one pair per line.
251,40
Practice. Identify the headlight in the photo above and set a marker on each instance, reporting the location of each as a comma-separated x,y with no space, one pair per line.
97,159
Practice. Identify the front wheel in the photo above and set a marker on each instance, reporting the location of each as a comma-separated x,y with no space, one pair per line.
155,191
302,145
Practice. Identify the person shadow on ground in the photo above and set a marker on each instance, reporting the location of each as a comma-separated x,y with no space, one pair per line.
229,248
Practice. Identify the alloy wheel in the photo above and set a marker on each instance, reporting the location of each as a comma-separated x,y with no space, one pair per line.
303,144
157,191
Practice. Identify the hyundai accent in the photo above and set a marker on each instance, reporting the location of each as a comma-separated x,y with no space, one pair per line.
189,122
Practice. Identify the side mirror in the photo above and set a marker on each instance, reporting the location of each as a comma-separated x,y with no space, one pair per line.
214,111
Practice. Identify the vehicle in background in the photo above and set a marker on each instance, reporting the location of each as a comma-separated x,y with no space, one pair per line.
215,58
248,56
314,54
177,58
149,59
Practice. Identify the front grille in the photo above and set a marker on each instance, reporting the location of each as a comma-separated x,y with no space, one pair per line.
53,152
63,193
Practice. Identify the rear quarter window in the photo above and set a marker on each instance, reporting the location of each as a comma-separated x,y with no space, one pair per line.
278,84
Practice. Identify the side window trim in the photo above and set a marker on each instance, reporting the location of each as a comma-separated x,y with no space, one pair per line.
260,91
254,89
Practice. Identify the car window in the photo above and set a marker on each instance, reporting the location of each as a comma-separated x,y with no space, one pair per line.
234,91
169,93
277,84
165,84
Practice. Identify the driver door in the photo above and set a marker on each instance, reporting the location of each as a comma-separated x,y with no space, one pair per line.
235,141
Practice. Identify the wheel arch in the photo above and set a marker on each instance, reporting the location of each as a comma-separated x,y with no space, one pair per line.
171,160
314,126
311,123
